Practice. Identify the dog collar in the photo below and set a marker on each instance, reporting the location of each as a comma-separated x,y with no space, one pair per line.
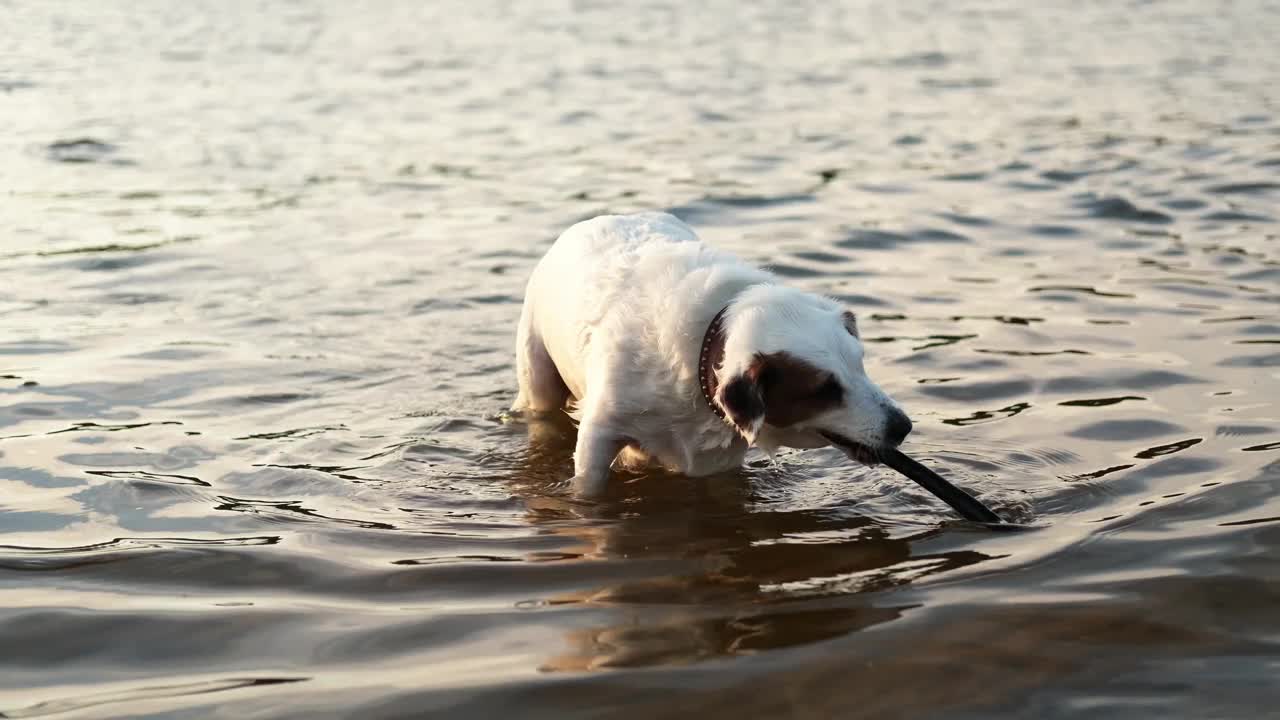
710,357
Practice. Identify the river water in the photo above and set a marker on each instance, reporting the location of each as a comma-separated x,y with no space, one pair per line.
261,266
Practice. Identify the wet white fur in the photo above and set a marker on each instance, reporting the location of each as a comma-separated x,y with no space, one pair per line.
619,306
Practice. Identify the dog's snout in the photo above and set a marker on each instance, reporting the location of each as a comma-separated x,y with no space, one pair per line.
897,427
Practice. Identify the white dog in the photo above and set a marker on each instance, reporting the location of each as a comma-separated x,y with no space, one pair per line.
673,352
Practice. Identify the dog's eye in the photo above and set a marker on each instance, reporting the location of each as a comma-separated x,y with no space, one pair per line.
830,391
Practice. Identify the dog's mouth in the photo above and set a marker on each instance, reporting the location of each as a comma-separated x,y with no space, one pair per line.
855,450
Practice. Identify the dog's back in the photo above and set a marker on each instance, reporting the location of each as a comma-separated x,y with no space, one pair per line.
646,281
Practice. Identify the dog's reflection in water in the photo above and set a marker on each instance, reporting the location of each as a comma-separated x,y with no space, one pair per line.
702,569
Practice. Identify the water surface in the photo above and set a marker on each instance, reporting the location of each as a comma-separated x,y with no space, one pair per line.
261,265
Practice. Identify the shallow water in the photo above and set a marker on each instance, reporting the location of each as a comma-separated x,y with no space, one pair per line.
261,268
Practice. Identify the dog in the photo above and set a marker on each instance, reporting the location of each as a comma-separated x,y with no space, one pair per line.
667,351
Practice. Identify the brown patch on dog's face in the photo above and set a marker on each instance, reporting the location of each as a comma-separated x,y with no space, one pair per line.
791,389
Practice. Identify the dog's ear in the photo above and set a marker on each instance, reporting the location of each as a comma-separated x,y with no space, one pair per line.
742,399
850,323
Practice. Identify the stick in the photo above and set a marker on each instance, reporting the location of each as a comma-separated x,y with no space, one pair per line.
961,501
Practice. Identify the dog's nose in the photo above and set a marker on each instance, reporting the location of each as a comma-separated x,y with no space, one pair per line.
897,427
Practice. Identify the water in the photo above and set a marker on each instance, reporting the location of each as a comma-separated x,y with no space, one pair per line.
262,266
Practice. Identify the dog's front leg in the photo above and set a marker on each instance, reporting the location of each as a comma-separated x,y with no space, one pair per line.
598,444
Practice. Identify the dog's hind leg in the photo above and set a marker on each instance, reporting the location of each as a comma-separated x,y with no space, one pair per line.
541,387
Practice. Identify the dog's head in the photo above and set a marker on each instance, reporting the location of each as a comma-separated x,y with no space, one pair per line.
792,375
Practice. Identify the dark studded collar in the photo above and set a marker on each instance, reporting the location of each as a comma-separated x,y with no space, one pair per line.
710,358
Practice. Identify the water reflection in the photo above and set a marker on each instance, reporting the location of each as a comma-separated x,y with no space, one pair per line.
725,574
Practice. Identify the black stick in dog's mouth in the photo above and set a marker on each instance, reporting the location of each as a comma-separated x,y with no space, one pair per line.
962,502
855,450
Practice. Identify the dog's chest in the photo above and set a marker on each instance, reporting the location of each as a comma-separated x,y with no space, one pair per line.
694,445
